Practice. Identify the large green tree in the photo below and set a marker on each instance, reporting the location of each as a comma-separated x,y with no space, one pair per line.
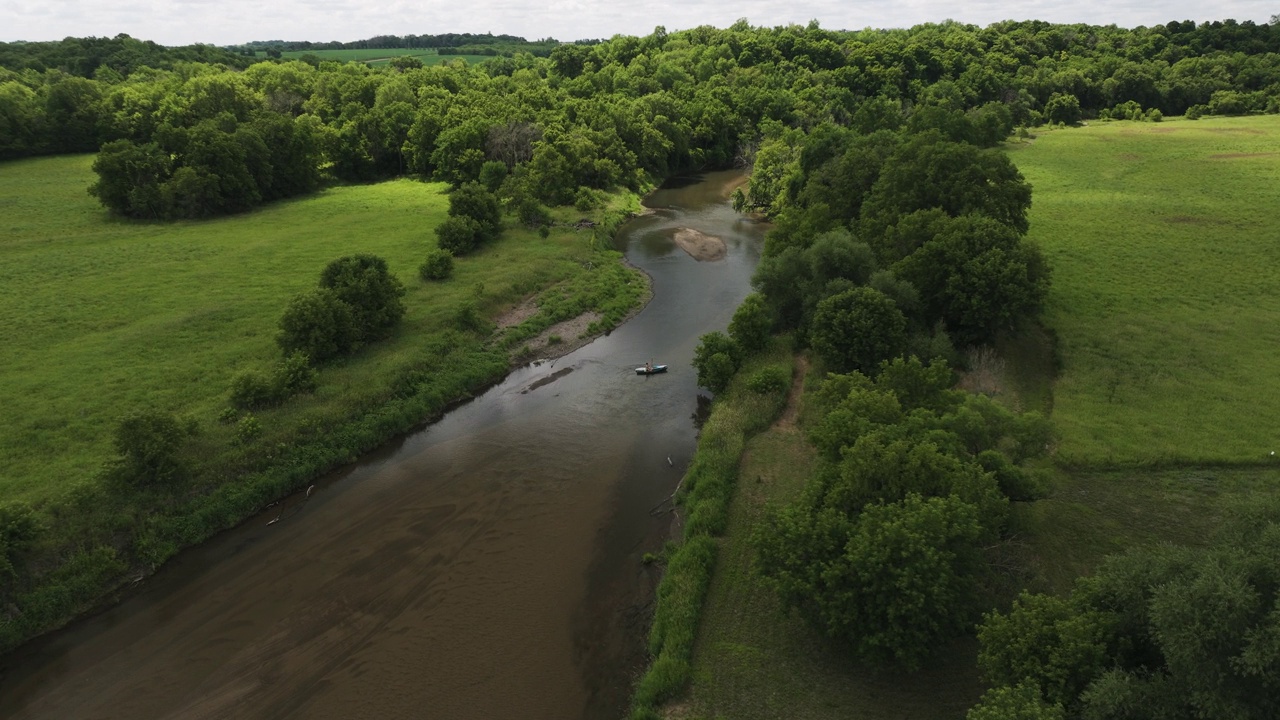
858,329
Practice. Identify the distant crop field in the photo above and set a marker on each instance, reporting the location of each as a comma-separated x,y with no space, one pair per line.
428,56
1166,287
100,316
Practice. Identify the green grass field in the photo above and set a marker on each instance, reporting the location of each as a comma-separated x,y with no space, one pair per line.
428,56
1166,295
102,316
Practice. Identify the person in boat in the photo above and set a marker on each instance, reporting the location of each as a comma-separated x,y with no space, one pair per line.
648,367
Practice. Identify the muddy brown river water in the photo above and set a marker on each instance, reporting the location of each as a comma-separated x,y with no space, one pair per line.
485,567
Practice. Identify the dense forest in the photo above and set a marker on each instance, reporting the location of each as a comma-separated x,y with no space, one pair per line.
898,233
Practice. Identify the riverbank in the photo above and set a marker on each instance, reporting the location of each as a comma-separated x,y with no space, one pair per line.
188,327
704,498
497,552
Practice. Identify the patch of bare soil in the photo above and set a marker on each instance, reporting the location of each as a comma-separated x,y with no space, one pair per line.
569,336
701,246
681,710
518,314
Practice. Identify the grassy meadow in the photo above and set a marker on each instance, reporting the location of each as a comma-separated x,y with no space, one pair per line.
428,56
102,316
1166,295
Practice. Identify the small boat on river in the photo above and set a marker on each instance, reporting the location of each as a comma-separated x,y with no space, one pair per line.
651,369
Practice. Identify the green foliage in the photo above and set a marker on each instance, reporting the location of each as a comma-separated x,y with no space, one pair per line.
1022,702
294,374
458,235
858,329
473,201
1164,632
532,213
19,529
926,172
437,266
149,442
492,173
374,295
977,276
716,359
1063,108
1045,643
248,429
893,580
319,324
752,324
768,380
251,390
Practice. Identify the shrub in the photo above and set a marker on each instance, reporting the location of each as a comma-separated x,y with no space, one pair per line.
18,531
492,173
437,266
767,380
458,235
751,323
467,317
532,213
251,390
716,360
148,442
364,282
248,429
473,201
294,374
1062,108
586,199
319,324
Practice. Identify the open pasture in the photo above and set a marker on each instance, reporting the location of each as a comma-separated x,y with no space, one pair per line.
102,316
1166,294
428,56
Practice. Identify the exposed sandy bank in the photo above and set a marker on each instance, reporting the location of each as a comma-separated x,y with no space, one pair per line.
700,246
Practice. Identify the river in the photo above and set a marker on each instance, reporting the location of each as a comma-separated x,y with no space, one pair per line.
488,566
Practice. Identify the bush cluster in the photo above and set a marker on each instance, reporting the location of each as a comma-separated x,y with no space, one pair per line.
882,550
357,302
475,218
293,374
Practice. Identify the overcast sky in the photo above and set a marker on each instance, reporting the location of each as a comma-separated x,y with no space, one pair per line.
227,22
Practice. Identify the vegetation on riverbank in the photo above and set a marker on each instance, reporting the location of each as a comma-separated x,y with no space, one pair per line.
899,231
108,318
707,490
1159,281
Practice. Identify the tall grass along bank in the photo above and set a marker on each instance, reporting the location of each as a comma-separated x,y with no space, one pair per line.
705,494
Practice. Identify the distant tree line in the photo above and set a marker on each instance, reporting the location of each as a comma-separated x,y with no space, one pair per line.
442,40
610,113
